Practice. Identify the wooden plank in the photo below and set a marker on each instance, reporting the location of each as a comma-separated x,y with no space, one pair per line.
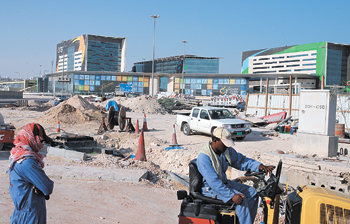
267,95
290,95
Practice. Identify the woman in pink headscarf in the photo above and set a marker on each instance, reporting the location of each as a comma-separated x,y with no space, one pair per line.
29,185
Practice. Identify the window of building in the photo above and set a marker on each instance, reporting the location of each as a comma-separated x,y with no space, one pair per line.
304,69
278,66
310,59
261,67
279,57
292,65
309,64
289,61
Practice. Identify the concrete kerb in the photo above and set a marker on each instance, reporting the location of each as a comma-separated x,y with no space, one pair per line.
96,173
67,154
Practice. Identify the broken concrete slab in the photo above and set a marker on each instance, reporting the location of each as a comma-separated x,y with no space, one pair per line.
65,153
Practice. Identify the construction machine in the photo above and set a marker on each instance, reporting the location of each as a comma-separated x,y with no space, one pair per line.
7,133
305,205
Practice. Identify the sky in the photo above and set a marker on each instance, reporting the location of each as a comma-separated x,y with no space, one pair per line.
31,30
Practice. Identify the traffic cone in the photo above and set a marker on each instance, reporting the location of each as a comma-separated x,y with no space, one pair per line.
141,154
137,127
58,127
174,140
144,128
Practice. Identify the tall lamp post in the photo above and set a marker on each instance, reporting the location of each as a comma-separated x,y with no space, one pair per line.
183,67
143,75
154,31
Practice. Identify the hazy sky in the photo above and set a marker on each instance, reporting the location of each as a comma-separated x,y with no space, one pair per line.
30,30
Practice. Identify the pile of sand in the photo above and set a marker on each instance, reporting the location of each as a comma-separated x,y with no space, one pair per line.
141,104
80,103
73,111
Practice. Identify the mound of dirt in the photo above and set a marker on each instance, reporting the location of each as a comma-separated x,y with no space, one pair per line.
73,111
141,104
65,113
80,103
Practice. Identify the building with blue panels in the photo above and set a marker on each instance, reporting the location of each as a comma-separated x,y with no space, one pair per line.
91,53
96,82
100,83
188,64
171,65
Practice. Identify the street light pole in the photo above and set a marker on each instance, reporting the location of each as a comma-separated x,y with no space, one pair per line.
183,67
143,75
154,31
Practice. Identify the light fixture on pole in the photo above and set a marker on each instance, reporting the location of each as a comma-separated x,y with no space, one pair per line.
154,31
183,67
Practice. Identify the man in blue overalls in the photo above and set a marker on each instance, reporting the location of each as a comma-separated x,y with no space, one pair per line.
213,162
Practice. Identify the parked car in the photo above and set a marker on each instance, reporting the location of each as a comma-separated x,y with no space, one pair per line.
206,119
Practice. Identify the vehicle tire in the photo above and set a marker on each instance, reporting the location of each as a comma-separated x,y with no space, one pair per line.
212,130
240,138
186,129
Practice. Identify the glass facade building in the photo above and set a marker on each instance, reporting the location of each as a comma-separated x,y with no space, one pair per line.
91,53
171,65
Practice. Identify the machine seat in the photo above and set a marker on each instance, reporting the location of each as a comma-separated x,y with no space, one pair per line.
196,184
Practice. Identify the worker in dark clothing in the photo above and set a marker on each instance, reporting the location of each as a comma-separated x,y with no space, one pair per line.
213,162
29,185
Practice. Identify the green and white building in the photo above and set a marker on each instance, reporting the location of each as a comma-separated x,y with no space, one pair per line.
326,59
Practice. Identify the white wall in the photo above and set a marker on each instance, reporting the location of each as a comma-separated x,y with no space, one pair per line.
280,102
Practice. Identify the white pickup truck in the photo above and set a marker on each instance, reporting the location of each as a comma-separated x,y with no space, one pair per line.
206,119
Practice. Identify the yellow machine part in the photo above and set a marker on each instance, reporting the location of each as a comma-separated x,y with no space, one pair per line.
320,205
230,213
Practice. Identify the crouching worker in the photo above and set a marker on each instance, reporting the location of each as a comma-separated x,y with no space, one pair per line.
29,185
213,162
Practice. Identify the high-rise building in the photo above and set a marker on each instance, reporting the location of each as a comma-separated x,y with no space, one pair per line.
326,59
91,53
174,64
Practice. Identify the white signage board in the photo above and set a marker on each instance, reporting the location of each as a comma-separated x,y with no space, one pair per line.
317,112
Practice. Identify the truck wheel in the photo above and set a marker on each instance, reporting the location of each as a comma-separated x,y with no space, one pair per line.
186,129
240,138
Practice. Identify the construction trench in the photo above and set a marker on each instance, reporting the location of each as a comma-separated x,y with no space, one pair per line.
90,151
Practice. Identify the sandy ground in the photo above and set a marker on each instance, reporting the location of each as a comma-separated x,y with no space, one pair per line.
98,201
